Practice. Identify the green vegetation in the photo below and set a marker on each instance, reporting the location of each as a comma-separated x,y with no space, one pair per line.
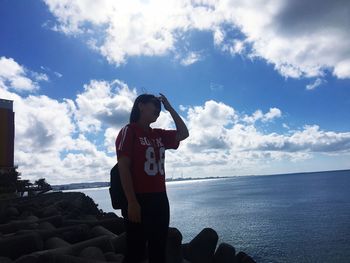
11,185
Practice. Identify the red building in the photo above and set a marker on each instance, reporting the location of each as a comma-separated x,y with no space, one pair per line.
7,133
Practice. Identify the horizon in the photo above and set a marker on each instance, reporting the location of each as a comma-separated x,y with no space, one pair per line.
205,178
264,89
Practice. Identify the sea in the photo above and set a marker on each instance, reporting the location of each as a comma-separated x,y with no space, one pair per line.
302,217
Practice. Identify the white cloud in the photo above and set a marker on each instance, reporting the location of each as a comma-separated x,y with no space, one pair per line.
342,69
43,129
285,125
212,114
72,140
241,147
13,75
192,57
234,47
40,76
50,137
219,36
47,69
259,115
59,75
315,84
272,114
103,102
182,107
216,87
300,38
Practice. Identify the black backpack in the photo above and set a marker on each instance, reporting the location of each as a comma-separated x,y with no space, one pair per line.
116,191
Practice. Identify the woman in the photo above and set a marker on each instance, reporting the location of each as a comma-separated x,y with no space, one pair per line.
141,155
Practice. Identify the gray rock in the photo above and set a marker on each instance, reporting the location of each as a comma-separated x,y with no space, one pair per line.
101,242
46,225
92,253
119,243
56,242
242,257
5,260
174,249
11,211
111,215
16,246
50,211
184,250
202,247
225,253
116,258
73,259
32,218
77,234
100,230
27,259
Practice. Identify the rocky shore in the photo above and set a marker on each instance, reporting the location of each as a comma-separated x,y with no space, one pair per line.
69,227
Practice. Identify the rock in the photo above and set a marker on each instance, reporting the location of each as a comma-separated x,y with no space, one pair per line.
201,249
73,259
50,211
111,256
242,257
32,218
25,214
89,217
56,242
174,249
5,260
27,259
50,255
31,226
18,245
110,215
46,225
48,233
184,250
115,225
100,231
119,243
225,253
76,234
56,220
71,225
71,222
63,204
92,253
11,211
31,223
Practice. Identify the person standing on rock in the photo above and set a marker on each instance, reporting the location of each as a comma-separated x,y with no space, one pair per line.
141,157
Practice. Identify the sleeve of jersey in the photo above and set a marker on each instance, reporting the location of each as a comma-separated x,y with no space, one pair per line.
169,139
124,142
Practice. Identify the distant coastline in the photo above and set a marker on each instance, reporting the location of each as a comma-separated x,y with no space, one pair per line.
74,186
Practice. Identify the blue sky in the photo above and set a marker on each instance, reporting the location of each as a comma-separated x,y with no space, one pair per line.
216,57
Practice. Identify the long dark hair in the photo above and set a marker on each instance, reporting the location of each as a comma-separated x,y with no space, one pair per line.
144,98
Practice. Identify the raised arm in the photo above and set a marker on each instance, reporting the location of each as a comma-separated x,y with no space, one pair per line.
182,131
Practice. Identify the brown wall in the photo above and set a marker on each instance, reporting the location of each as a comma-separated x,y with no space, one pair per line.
7,136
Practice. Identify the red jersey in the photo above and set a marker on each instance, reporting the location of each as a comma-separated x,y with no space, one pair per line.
146,151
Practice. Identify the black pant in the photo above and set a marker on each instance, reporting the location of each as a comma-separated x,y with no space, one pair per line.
153,229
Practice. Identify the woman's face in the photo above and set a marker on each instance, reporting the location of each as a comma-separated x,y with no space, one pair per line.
149,111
